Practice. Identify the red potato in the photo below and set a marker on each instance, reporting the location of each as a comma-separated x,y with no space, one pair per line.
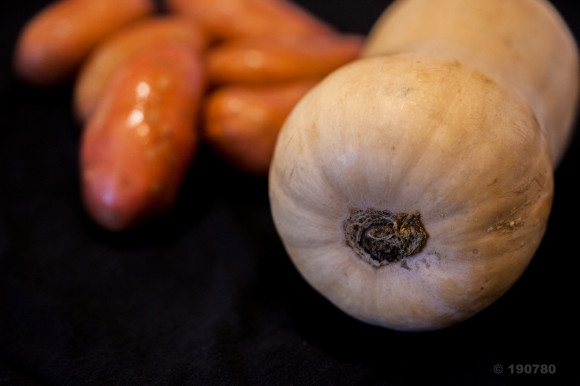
54,42
276,59
108,56
227,19
242,123
141,139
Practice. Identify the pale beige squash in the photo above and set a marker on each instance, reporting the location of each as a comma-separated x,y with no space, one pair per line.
412,188
523,44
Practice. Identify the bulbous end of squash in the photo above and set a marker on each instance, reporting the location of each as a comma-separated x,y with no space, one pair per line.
411,191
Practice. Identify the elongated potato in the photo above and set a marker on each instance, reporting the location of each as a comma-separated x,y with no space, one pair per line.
119,48
242,123
139,142
276,59
53,43
228,19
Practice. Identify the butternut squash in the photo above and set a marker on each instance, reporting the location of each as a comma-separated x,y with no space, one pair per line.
413,186
524,45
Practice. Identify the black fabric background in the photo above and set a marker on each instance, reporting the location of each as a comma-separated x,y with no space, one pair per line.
207,296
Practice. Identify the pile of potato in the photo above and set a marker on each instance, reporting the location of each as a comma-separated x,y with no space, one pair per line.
151,84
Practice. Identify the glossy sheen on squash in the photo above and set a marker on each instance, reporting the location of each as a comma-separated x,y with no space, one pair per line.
413,189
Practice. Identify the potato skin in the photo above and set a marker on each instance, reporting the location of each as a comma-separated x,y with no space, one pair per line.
280,59
228,19
241,123
52,45
138,144
110,54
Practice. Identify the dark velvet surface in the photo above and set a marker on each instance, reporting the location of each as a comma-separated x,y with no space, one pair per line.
208,296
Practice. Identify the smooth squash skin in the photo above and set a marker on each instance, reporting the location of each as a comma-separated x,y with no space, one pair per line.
411,135
523,44
412,187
